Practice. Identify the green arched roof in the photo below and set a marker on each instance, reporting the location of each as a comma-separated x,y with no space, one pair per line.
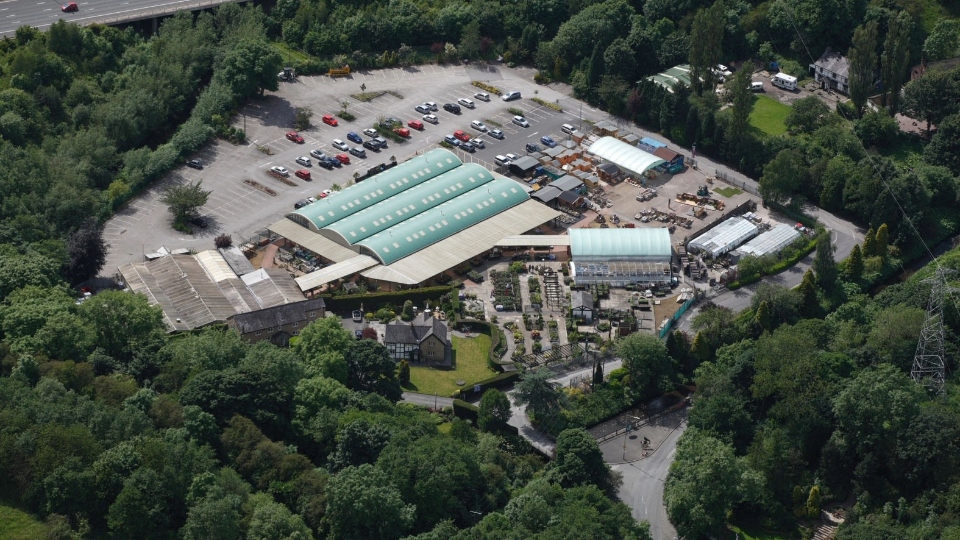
381,187
405,205
446,219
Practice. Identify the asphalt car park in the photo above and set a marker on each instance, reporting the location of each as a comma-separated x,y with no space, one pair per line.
240,209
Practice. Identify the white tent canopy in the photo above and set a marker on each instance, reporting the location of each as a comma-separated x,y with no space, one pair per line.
624,155
724,237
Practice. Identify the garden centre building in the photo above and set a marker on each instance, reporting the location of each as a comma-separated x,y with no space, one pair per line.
618,257
411,222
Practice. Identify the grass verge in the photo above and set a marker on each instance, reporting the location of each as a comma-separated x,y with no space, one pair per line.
768,115
18,525
727,191
470,359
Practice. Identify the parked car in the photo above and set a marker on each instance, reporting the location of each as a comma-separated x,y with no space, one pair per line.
370,132
327,163
452,140
567,128
513,157
380,141
300,204
343,159
325,193
303,173
340,145
548,141
756,86
479,143
353,136
282,171
496,134
459,134
531,148
478,125
431,118
423,108
415,124
317,153
502,161
195,164
69,7
482,96
372,145
432,105
468,147
391,122
510,96
199,221
295,137
304,160
359,152
330,120
466,103
402,131
521,121
451,108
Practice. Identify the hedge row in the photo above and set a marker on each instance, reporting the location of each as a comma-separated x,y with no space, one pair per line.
546,103
497,381
393,299
487,87
780,266
465,411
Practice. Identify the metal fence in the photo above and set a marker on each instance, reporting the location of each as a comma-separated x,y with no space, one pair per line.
739,184
676,317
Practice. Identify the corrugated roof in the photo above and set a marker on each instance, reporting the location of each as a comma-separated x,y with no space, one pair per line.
464,245
435,224
215,265
669,78
312,241
567,183
535,240
378,188
547,194
335,272
622,154
620,244
403,206
771,241
725,236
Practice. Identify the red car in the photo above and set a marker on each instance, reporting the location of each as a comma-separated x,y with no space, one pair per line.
343,158
303,173
69,6
295,137
403,132
329,120
416,124
460,135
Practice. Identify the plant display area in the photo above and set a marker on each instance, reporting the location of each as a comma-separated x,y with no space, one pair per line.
506,290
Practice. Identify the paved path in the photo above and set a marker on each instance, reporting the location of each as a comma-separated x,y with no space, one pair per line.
427,400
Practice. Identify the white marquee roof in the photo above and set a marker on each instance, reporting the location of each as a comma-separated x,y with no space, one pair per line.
624,155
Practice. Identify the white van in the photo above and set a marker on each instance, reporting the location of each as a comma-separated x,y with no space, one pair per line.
756,86
502,161
782,80
567,128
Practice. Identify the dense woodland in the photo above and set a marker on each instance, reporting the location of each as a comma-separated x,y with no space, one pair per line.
109,427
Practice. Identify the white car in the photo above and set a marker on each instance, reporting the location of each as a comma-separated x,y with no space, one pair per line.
370,132
521,121
513,157
478,125
423,109
466,103
304,160
482,96
479,143
282,171
340,145
317,153
510,96
326,192
432,105
432,118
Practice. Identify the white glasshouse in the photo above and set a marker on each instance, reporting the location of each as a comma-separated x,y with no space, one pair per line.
725,237
771,241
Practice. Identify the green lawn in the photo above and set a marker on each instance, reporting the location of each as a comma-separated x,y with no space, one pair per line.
727,191
768,115
470,361
18,525
757,533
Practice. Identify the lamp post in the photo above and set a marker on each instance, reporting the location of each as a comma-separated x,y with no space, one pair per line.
629,426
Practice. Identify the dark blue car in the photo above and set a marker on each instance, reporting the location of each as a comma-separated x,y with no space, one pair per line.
354,137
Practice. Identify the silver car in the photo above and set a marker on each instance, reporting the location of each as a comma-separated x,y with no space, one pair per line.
521,121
